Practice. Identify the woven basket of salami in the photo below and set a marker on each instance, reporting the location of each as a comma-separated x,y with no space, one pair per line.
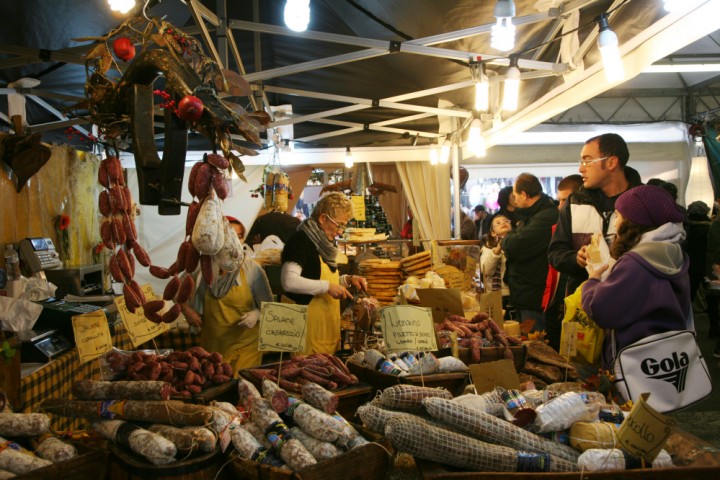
282,437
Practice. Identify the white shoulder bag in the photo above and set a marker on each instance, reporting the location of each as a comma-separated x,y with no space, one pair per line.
667,365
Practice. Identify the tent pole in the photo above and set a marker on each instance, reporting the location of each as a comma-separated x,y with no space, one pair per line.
455,156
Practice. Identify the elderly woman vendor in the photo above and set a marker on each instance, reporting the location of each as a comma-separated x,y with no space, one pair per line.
309,273
230,310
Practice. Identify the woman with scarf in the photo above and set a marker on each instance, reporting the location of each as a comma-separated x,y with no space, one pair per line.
309,274
648,289
230,308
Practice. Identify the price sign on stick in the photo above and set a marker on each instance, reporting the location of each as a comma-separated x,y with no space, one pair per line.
358,204
645,431
406,327
138,327
282,327
92,335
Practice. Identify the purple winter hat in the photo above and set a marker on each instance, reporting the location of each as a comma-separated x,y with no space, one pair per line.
649,206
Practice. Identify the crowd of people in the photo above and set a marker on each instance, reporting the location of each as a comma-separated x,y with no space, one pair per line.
534,250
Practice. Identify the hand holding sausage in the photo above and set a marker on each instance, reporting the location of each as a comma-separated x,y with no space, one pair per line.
338,292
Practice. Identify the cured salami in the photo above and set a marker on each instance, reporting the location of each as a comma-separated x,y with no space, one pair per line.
53,449
181,438
23,424
203,437
17,460
157,449
249,448
277,397
320,398
291,451
319,449
317,423
130,390
168,412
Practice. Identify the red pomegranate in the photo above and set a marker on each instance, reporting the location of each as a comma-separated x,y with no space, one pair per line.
124,49
190,108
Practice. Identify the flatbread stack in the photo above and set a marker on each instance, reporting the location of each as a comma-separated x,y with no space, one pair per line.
418,264
383,277
452,275
363,235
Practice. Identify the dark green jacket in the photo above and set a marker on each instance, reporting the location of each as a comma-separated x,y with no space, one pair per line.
526,251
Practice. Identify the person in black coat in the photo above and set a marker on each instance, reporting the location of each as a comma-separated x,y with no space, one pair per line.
525,247
696,242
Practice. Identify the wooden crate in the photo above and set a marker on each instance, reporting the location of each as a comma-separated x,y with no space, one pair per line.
89,464
366,462
129,466
349,398
453,382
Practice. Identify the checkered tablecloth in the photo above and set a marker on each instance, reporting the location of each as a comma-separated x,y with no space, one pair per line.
55,379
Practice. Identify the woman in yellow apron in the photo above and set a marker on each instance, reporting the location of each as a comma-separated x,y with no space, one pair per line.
309,273
230,309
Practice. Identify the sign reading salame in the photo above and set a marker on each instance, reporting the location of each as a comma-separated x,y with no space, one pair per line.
282,327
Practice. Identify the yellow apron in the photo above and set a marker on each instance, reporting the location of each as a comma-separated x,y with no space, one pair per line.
220,332
323,318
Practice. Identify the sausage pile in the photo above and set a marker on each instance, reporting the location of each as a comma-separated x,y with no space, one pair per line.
187,372
480,331
324,369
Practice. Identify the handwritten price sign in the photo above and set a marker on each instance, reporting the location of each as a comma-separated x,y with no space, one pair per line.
92,335
282,327
406,327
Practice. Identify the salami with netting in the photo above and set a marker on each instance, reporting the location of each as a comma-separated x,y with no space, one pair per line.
128,390
168,412
181,438
291,451
319,449
249,448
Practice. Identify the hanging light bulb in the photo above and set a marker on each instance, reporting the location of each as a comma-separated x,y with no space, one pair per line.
445,151
348,158
297,14
608,45
434,154
122,6
511,89
476,142
502,34
482,86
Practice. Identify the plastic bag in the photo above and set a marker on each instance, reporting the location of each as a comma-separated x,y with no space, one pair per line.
589,335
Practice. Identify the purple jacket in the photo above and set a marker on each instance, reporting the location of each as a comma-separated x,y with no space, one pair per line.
647,292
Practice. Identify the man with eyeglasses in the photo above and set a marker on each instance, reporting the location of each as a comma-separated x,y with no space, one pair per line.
591,209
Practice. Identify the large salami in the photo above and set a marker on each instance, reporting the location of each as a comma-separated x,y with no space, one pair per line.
53,449
17,460
181,438
291,451
24,424
155,448
131,390
320,398
168,412
249,448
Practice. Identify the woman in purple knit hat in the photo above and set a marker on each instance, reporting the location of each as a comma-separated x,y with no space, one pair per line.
647,291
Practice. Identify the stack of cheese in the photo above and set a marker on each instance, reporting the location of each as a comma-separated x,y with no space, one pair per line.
362,235
418,264
383,278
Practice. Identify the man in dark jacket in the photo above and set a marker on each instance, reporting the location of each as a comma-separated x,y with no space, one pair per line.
524,246
591,209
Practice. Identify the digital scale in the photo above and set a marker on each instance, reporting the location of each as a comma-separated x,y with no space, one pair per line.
42,346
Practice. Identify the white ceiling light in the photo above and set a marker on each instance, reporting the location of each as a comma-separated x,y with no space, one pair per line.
482,86
348,158
673,5
122,6
502,34
297,14
511,88
476,142
608,45
434,154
